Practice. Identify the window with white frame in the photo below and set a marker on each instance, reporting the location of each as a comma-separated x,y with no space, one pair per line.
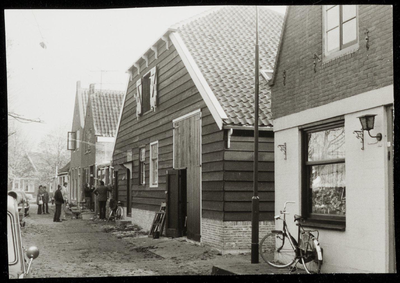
340,29
154,164
142,166
324,190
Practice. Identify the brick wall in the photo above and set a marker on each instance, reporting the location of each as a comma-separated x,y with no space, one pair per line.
231,236
360,71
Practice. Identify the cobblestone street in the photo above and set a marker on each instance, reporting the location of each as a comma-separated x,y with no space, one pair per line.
84,248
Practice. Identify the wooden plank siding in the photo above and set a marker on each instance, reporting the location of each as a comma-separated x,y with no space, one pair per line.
238,178
227,174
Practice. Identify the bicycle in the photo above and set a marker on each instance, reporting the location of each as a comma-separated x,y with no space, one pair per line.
116,211
305,250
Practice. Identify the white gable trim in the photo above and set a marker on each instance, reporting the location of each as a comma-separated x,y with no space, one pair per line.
205,91
119,118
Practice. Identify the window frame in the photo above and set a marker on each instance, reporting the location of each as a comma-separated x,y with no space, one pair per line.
343,48
142,167
332,222
146,76
151,184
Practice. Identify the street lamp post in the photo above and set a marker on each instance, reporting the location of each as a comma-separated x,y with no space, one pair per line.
255,198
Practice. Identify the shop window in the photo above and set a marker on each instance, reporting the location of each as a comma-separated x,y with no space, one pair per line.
142,166
154,164
340,30
324,178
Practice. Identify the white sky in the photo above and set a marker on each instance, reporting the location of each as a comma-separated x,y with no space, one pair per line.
80,43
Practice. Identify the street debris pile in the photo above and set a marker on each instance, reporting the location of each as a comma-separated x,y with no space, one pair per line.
124,231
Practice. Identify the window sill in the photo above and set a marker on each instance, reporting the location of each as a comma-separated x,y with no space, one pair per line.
341,53
324,224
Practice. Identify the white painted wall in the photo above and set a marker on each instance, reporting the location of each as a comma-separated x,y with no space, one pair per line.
362,247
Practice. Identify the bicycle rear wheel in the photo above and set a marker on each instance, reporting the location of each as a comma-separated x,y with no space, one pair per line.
276,250
311,260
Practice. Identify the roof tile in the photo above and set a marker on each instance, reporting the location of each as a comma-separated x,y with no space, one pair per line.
223,45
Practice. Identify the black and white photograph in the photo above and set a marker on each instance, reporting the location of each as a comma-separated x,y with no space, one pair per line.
204,140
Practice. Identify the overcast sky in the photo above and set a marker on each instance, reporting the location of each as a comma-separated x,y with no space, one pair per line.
91,46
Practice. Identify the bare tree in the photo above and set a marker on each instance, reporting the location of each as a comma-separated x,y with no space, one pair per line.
53,149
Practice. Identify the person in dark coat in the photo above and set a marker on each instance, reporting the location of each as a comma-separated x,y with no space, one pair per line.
39,200
59,201
88,196
101,191
45,201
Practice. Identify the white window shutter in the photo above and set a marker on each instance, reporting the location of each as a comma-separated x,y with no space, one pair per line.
153,88
138,97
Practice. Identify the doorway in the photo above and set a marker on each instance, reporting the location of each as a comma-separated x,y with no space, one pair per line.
187,155
176,203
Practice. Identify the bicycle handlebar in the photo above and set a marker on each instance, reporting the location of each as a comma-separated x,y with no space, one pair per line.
284,207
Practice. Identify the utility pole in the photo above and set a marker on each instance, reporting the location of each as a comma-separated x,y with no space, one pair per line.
255,198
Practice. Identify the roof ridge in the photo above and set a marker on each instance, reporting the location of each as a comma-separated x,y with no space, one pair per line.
195,17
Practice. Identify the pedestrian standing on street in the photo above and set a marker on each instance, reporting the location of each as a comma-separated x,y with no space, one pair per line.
64,191
101,192
59,201
45,201
88,196
39,200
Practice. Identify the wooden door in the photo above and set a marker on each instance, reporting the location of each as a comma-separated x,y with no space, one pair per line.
187,154
391,225
128,192
176,203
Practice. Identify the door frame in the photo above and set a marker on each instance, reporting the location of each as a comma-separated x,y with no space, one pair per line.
391,250
188,115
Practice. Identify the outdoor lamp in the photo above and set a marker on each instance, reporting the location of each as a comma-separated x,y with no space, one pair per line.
367,124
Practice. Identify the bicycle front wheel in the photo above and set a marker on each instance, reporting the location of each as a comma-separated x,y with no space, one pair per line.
119,213
277,251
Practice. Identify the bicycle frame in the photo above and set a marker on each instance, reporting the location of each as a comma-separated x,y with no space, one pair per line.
296,244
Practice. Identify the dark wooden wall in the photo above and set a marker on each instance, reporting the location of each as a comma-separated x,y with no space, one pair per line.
226,173
177,96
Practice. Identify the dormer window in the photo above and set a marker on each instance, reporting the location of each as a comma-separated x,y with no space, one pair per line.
340,30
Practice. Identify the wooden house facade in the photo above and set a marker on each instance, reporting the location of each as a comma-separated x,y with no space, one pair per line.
186,130
92,138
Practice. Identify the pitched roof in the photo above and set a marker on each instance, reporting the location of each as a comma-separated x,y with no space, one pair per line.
106,106
65,169
222,43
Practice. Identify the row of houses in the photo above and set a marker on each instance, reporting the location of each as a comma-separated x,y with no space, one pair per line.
183,131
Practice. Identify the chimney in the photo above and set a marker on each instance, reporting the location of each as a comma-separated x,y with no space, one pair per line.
91,88
78,87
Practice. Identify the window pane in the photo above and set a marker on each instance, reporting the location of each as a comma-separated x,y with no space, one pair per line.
10,239
349,11
349,31
332,18
328,189
146,93
332,40
326,145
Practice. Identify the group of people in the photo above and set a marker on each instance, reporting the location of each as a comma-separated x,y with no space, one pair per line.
42,200
101,193
61,200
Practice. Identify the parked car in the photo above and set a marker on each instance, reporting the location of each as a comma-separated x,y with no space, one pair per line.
23,206
19,259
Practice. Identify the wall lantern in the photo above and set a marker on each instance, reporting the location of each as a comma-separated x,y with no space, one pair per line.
367,124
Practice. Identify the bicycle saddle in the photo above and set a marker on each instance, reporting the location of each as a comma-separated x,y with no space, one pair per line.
298,217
